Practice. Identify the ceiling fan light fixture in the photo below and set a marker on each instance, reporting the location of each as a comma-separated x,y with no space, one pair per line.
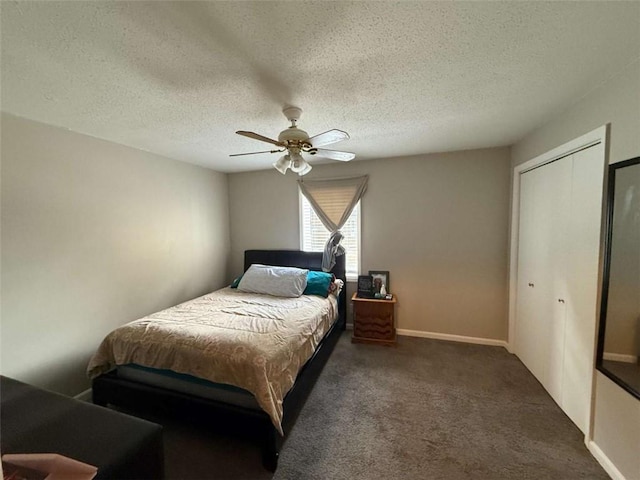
283,164
307,168
299,165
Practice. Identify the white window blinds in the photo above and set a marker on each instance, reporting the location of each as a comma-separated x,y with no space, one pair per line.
314,235
333,201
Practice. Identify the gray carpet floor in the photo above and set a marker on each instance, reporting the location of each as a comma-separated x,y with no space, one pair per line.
427,409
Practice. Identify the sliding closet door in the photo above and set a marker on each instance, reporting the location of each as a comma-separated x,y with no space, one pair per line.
582,281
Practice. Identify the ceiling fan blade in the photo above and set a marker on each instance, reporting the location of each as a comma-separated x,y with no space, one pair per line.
262,138
334,154
328,137
255,153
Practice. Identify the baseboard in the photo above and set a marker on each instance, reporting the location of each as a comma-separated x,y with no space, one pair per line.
619,357
84,396
604,461
452,338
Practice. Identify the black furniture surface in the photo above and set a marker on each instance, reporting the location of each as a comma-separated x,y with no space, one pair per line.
110,389
37,421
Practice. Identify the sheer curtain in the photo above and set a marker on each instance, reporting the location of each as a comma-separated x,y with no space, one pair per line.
333,201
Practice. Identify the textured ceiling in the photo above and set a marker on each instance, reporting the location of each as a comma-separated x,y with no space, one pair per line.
179,78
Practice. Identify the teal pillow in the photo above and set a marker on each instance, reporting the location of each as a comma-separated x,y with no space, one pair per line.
318,283
235,283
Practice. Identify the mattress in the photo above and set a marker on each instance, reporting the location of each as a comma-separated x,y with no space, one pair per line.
255,342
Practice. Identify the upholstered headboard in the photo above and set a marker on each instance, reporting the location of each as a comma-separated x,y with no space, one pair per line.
308,260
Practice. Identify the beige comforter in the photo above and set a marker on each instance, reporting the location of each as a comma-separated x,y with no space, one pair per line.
255,342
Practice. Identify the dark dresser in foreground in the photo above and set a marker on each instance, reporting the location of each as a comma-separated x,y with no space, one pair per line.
37,421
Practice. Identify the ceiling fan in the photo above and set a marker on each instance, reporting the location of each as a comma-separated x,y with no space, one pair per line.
294,141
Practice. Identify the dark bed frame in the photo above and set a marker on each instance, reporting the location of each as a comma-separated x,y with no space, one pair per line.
110,389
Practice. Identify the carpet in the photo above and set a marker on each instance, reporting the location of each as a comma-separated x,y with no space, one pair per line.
426,409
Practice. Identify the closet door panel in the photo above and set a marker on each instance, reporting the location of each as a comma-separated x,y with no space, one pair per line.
528,330
556,201
582,281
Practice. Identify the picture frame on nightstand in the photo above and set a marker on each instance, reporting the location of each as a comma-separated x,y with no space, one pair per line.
365,286
380,277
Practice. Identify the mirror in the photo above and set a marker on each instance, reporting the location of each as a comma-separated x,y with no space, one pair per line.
619,339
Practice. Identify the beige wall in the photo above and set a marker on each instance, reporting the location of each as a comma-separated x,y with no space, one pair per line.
617,413
616,102
437,222
617,426
95,234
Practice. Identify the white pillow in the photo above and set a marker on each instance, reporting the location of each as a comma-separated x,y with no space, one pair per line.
276,281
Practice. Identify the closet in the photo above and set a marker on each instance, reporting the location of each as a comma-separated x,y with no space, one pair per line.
558,255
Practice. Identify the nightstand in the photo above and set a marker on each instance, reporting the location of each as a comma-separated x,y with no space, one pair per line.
373,320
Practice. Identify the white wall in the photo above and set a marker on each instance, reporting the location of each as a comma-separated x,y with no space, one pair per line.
95,234
617,413
437,222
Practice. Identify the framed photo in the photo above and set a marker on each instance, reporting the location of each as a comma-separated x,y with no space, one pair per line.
380,277
365,286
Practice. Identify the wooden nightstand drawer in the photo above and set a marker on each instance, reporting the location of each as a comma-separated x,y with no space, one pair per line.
373,321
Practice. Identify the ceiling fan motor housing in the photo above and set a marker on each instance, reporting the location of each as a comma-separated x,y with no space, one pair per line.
293,135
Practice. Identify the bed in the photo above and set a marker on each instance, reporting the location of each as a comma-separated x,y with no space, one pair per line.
268,409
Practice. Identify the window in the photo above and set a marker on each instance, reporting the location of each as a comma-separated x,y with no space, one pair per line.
314,235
